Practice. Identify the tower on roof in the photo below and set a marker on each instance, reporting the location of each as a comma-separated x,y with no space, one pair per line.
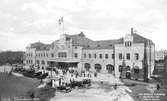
81,34
133,31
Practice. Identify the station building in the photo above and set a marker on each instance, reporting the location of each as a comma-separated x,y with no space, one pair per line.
131,53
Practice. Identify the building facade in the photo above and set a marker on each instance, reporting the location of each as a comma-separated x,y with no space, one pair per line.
106,56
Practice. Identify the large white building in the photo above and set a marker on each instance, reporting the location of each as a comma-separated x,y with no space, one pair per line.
130,53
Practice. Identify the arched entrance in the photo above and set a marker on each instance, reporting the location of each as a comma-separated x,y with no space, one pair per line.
110,68
98,67
87,66
136,69
120,68
127,68
128,72
136,72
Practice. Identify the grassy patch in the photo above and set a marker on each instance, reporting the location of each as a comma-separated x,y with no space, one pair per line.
12,86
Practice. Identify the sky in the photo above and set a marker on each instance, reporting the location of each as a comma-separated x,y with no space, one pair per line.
26,21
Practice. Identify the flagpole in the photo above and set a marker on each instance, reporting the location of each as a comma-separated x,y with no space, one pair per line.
63,26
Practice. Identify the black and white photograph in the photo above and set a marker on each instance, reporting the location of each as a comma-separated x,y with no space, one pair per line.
83,50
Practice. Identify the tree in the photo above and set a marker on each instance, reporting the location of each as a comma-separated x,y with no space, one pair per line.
11,57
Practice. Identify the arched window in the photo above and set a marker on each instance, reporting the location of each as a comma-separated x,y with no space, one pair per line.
110,68
98,67
87,66
37,61
43,62
120,68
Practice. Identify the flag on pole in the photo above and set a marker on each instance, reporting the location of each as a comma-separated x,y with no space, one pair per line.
61,20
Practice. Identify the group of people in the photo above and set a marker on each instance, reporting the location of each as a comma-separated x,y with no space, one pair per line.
70,76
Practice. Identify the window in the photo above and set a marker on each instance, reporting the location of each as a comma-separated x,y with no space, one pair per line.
37,61
95,56
46,54
41,55
125,44
120,55
76,55
52,55
136,56
84,55
110,68
48,63
89,55
68,38
30,61
106,56
120,68
100,56
128,44
62,54
87,66
128,56
113,56
43,62
98,67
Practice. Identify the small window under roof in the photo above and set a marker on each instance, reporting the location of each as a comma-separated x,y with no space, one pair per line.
68,38
98,45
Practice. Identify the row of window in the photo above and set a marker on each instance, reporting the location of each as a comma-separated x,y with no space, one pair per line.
37,62
29,62
109,67
128,56
106,56
42,62
128,44
136,70
29,55
62,54
38,54
42,54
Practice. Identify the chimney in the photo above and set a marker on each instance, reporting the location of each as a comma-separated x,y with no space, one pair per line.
131,30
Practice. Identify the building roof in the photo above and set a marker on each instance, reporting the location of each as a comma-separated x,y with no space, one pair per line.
86,43
140,39
81,40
